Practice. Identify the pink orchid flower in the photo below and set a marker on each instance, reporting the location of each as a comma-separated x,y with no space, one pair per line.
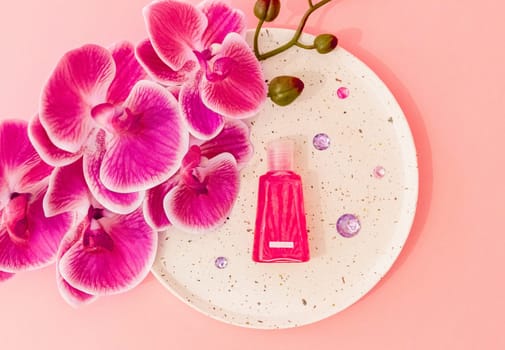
128,131
202,49
28,240
105,253
201,195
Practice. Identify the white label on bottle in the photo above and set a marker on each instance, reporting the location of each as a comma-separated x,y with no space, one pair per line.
281,244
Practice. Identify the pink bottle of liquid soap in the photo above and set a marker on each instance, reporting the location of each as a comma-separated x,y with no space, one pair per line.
281,233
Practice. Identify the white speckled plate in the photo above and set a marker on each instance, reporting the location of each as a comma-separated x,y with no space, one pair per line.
366,129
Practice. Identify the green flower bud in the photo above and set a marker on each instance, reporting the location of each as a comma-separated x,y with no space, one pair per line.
325,43
267,10
285,89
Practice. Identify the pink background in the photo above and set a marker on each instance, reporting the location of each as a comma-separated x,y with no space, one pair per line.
445,63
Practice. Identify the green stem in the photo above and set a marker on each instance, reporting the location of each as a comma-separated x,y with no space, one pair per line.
303,46
256,36
296,36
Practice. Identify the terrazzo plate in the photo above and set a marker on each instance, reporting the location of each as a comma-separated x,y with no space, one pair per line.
366,129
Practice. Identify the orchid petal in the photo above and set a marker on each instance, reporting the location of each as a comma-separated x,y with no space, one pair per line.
234,139
175,91
128,72
175,29
149,144
120,203
5,192
21,166
79,82
204,203
192,158
16,150
4,276
202,122
67,190
114,254
222,20
154,213
162,73
34,242
242,90
46,149
71,295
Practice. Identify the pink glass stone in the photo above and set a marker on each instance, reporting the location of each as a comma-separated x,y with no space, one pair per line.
343,92
321,141
348,225
221,262
379,172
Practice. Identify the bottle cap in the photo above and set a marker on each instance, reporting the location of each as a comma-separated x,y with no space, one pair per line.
280,155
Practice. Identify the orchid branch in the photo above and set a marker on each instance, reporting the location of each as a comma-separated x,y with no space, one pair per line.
306,47
256,37
283,90
296,36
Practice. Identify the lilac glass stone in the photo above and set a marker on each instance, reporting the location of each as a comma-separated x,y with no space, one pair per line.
343,92
379,172
221,262
321,141
348,225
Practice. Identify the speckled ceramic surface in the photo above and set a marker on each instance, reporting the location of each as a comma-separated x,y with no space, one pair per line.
367,130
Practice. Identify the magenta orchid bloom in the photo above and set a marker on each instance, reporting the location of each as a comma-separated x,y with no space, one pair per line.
201,195
205,193
128,131
28,240
203,50
105,253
